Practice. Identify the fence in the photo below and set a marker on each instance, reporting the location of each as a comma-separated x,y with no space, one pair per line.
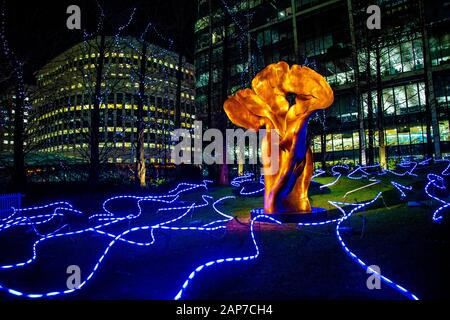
9,201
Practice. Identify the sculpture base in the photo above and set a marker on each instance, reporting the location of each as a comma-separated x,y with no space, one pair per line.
316,215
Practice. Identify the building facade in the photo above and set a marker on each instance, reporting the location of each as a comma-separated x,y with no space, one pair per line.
236,39
68,86
7,119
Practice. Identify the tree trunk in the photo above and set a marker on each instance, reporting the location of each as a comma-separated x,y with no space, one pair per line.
140,170
430,103
294,30
178,102
223,172
19,175
380,113
323,147
178,93
209,111
95,118
362,141
210,78
369,106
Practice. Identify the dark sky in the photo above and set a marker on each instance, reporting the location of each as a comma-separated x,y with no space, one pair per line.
37,31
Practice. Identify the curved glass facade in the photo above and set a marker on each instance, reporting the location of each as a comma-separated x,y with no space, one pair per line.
66,92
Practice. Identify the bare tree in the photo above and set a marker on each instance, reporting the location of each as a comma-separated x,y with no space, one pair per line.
84,72
13,74
150,79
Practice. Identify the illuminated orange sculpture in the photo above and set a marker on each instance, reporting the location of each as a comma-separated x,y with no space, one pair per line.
266,106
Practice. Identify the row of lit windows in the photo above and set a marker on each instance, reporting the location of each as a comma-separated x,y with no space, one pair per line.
399,100
118,73
115,98
111,126
126,145
403,57
77,122
124,85
440,49
393,137
130,59
66,132
109,106
150,160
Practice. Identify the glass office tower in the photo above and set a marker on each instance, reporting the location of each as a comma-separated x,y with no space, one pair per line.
66,90
402,101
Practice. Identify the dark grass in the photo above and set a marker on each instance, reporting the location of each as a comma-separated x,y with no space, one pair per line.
295,263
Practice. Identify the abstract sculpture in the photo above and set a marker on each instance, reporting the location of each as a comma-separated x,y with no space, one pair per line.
266,106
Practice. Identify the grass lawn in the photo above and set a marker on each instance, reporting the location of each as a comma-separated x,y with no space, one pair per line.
294,262
308,262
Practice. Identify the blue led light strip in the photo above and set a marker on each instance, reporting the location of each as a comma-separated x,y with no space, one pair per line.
400,188
364,173
331,183
109,246
318,173
220,212
238,181
172,196
446,171
223,260
438,182
251,193
31,221
355,258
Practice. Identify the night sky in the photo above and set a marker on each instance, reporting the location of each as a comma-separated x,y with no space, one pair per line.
37,31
